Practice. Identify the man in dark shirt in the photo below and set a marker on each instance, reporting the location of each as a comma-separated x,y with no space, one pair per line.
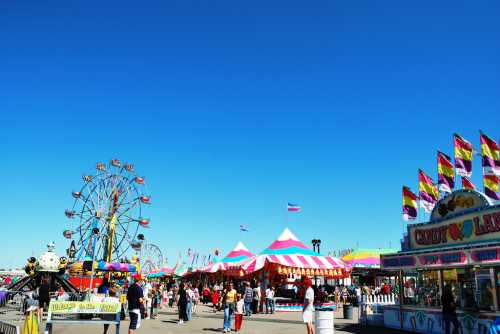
449,310
135,298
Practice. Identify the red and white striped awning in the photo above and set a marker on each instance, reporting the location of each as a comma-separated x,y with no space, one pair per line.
296,261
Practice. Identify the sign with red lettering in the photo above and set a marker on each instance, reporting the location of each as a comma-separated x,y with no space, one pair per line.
470,228
442,259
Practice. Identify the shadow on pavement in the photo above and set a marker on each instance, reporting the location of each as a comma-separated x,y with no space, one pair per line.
218,330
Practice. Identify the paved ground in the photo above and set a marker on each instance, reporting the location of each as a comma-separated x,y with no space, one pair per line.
204,321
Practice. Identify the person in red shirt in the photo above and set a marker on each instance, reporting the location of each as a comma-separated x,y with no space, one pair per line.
215,299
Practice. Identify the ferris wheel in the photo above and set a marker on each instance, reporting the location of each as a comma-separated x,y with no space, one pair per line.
150,258
106,216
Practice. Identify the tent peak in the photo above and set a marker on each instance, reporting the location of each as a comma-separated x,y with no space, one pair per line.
287,235
240,246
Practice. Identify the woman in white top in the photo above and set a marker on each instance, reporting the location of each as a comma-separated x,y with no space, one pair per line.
308,310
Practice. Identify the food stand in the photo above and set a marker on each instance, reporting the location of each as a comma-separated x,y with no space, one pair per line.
460,247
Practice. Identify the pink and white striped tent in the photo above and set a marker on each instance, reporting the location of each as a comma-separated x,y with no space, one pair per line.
233,260
289,251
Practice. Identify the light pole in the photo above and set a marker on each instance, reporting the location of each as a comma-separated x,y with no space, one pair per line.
316,243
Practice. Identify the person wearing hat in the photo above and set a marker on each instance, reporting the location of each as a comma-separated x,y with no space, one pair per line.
308,310
135,298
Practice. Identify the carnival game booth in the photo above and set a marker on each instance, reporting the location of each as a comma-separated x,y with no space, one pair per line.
285,262
460,247
231,264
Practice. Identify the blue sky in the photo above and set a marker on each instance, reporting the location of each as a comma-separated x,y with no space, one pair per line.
232,109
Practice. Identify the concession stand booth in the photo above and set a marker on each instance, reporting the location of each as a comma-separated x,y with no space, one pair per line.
460,247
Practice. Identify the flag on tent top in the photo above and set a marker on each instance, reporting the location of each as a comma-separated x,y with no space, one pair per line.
243,228
293,207
467,183
491,156
463,156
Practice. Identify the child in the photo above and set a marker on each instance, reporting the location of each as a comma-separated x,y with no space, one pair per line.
170,295
215,300
238,315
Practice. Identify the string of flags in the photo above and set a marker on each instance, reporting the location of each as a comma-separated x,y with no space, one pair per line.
429,192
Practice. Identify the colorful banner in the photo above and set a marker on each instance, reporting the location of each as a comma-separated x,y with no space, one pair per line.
409,204
427,191
491,187
446,173
63,307
463,156
490,153
467,183
470,228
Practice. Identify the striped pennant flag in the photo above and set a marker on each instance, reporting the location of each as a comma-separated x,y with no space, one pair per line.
463,156
490,152
467,183
427,191
446,173
491,187
409,204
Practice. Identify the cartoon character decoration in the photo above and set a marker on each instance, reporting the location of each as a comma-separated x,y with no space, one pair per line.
49,261
63,262
30,266
457,201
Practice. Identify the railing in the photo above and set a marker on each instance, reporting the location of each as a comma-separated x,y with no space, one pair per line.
6,328
390,299
371,308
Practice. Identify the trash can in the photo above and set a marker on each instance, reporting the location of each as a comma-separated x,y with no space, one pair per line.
347,311
323,321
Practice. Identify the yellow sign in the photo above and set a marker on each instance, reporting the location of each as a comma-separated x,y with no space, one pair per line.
63,307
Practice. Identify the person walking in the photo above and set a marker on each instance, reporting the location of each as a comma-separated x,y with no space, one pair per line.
190,297
135,299
229,298
182,304
308,310
247,299
449,310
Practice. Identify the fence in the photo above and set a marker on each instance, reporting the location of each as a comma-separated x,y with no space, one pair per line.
371,308
390,299
6,328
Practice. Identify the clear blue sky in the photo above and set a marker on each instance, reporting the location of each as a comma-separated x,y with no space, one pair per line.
231,109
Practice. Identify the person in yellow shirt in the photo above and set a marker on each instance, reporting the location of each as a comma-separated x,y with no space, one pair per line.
229,299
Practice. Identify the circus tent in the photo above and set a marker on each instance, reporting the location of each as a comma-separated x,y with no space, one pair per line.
288,251
239,255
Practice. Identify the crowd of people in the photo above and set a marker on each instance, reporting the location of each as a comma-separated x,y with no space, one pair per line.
235,300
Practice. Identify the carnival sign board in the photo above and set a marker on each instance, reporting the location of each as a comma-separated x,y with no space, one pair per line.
459,201
64,307
476,227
